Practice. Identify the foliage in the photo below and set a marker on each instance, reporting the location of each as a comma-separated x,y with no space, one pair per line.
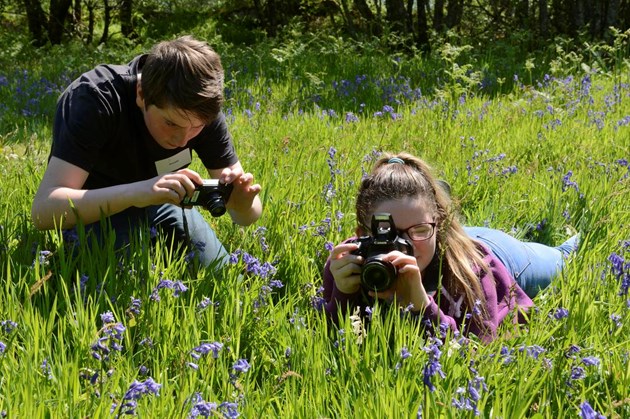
90,332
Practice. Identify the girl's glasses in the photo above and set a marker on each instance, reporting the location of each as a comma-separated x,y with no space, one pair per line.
419,232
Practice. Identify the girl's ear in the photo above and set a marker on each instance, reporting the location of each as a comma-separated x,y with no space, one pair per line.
359,232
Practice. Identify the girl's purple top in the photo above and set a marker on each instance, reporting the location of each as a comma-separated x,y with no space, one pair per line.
502,295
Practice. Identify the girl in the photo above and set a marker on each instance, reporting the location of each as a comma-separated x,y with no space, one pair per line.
450,279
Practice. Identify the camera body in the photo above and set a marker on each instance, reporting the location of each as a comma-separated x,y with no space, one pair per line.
212,195
376,274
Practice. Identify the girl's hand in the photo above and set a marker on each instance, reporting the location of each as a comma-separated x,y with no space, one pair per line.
346,268
407,288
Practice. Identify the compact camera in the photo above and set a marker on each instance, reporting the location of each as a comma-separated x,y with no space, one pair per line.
212,195
376,274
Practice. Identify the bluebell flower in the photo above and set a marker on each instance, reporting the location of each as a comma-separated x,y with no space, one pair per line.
616,318
8,326
568,183
433,366
206,348
46,369
201,407
241,366
590,361
179,288
135,392
560,313
229,410
573,349
3,347
587,412
134,306
533,351
577,373
404,353
506,355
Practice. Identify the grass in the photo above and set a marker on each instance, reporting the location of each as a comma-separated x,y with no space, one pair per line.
551,152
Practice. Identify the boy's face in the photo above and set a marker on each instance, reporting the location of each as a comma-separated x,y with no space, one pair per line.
170,127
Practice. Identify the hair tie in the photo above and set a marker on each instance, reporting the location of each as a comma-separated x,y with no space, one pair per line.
396,160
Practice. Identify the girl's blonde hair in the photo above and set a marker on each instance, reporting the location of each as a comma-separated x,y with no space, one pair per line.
457,258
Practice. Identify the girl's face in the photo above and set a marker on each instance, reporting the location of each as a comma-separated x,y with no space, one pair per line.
409,212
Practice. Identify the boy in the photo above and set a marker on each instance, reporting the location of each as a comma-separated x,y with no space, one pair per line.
123,137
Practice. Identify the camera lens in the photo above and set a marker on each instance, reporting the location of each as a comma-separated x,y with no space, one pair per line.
378,275
215,206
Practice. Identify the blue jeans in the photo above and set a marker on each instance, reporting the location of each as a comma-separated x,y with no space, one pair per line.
533,265
188,230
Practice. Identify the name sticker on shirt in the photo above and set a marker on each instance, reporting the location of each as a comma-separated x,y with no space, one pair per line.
173,163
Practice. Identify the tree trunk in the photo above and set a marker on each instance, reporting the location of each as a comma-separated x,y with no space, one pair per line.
346,16
126,26
522,14
75,17
543,18
438,16
91,19
364,10
106,20
270,14
612,15
422,32
396,15
36,21
455,10
57,19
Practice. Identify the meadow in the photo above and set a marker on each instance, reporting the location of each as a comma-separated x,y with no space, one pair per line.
542,143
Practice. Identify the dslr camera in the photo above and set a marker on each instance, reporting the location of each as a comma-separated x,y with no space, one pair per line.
212,195
376,274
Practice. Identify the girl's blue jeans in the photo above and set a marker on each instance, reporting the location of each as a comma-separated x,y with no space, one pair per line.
533,265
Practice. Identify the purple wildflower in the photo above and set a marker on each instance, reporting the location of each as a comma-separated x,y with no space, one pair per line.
433,366
134,306
616,318
561,313
241,366
404,353
229,410
201,407
46,369
573,349
533,351
178,288
110,340
587,412
136,391
8,326
590,361
506,354
568,183
206,348
577,373
3,347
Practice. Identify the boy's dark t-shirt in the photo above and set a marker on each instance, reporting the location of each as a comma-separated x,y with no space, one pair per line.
99,128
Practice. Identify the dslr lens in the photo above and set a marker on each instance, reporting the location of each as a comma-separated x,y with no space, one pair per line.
377,275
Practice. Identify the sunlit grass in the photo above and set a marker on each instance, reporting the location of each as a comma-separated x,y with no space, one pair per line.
553,154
